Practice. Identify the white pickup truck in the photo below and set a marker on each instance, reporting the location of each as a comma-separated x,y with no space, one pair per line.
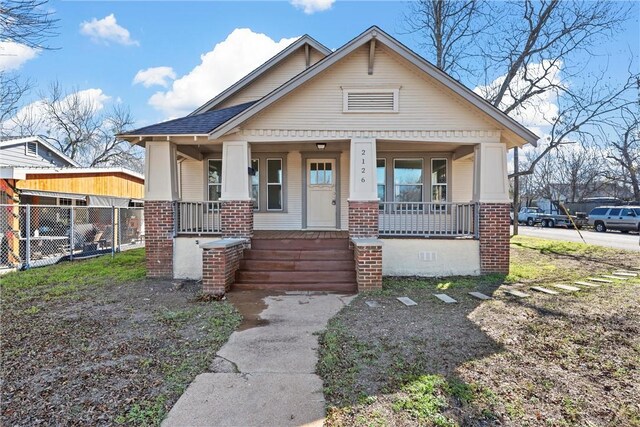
530,215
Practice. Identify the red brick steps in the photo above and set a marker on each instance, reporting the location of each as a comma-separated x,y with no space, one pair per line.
297,264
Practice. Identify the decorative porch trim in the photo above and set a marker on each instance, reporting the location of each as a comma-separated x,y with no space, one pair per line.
454,136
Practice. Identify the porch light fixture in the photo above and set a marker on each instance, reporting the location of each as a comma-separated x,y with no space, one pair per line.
321,145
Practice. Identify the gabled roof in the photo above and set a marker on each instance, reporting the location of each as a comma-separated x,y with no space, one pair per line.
21,140
199,124
412,57
255,74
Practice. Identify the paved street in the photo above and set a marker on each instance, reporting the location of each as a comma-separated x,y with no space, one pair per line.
612,239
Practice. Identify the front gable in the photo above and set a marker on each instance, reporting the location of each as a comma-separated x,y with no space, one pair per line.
422,103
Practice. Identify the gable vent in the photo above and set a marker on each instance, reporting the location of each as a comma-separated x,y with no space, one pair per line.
371,101
32,148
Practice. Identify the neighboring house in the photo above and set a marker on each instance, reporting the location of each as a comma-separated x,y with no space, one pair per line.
401,166
37,185
32,171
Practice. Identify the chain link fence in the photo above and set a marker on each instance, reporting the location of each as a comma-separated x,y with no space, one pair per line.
36,235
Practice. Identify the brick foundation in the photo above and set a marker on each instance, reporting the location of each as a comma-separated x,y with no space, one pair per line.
494,237
158,239
237,219
219,265
363,219
368,259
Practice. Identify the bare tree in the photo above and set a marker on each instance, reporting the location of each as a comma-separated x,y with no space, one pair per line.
529,52
79,127
580,171
449,28
30,23
624,150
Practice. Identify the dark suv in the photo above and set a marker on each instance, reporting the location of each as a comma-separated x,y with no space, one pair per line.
623,218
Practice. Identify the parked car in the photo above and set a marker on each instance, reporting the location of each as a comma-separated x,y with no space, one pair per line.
529,215
623,218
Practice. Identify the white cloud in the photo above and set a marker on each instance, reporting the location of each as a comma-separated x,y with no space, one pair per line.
13,55
34,113
107,30
159,76
539,111
240,53
312,6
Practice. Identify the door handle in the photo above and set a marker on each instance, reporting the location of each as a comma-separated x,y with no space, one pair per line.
333,202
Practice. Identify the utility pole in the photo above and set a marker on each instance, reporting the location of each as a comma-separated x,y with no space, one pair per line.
516,191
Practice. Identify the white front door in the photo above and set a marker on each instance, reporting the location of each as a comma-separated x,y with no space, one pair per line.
321,193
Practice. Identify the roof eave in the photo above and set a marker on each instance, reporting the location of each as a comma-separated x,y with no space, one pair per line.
376,32
253,75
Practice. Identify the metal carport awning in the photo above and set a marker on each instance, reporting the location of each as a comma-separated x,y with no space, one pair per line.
53,194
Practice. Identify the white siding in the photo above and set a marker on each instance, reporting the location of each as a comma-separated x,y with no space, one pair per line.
423,103
272,78
15,155
192,181
462,180
292,219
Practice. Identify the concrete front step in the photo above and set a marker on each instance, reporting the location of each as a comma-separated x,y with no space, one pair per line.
295,265
345,287
297,244
245,276
299,254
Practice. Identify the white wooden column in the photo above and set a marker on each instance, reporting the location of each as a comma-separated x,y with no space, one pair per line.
161,176
236,159
362,175
490,174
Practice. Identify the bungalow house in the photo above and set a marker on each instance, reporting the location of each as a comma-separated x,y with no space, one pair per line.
327,169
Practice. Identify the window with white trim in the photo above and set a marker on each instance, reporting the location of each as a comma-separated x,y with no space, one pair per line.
214,179
438,180
381,178
370,100
274,184
255,183
407,177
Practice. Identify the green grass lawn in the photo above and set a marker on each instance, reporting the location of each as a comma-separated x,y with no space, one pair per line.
571,359
94,342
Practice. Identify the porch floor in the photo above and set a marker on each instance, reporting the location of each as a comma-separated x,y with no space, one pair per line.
299,234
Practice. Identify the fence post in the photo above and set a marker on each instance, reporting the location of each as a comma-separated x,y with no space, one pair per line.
113,231
28,237
72,238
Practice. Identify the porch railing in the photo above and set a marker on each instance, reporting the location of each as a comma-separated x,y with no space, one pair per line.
428,219
198,218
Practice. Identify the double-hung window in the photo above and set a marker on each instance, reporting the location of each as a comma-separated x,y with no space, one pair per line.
438,180
214,179
255,183
274,184
407,176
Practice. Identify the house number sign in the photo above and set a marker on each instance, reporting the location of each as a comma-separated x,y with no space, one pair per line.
364,172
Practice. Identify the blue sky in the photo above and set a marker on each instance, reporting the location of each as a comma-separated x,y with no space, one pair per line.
176,34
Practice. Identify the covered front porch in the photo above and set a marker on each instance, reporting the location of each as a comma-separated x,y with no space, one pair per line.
426,199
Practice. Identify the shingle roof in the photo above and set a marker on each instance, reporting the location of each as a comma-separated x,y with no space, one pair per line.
191,125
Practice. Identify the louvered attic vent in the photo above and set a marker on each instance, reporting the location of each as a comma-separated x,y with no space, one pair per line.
370,100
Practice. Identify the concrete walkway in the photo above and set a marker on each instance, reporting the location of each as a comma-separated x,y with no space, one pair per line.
265,374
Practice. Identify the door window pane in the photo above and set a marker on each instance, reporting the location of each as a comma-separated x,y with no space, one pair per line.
328,173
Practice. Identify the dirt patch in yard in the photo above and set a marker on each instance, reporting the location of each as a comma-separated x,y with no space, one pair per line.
106,352
557,360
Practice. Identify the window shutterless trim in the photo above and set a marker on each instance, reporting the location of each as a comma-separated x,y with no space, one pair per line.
281,184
